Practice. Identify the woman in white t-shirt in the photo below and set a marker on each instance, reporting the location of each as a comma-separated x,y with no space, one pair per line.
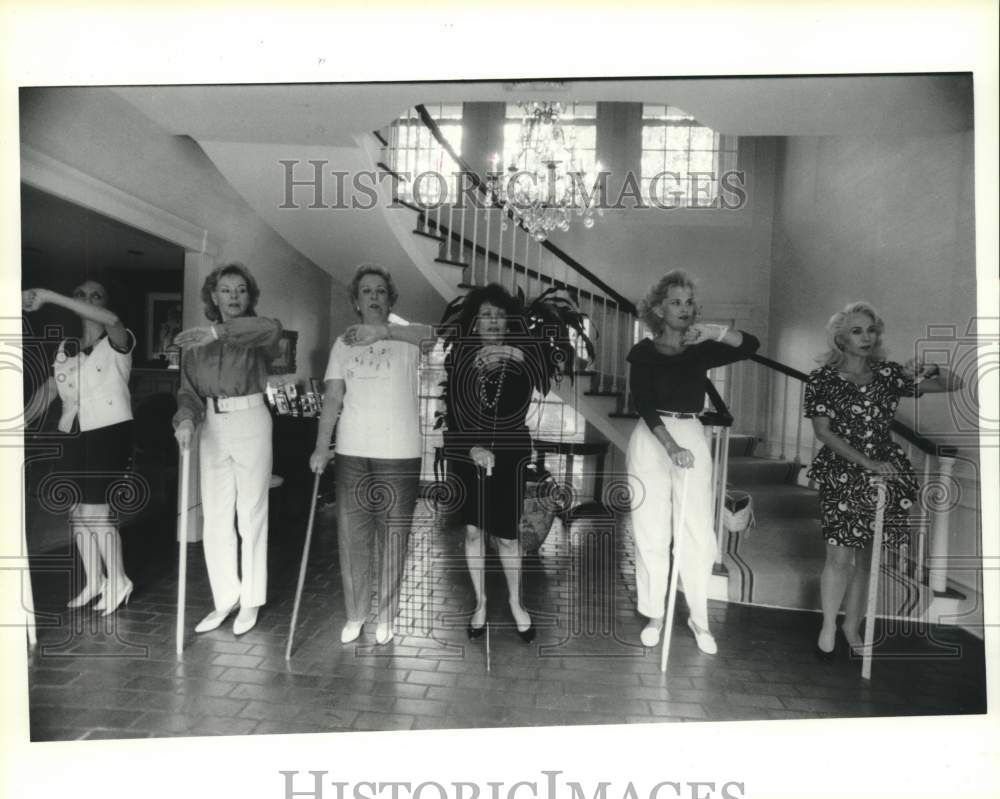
373,389
90,376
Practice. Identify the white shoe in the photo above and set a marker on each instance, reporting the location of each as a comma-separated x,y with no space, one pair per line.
90,591
704,639
383,633
650,635
245,621
214,619
351,631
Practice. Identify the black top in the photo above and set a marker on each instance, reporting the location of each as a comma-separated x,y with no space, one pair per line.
487,405
677,382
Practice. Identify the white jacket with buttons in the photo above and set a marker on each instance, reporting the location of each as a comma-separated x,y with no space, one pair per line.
95,386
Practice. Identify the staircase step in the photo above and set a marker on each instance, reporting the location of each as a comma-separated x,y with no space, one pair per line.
448,261
774,502
427,235
741,444
746,471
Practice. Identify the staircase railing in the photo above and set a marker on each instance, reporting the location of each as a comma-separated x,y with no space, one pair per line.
491,245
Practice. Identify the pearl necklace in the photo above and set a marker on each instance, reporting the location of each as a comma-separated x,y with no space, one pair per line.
485,378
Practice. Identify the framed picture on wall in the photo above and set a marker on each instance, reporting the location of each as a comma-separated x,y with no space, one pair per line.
163,322
285,362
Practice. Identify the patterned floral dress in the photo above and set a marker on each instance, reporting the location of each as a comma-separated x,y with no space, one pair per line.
860,416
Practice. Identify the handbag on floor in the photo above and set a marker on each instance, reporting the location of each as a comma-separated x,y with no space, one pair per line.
737,511
540,512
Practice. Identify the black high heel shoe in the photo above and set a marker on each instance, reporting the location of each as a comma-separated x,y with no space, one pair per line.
475,632
527,635
825,656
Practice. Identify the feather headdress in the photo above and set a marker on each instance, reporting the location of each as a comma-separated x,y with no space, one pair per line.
550,329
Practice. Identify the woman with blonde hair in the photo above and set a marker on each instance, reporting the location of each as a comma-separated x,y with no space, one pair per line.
852,400
223,377
667,375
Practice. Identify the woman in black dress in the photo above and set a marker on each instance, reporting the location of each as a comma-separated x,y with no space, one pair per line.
498,354
852,400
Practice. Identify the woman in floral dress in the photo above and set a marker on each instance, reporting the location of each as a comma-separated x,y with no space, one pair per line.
852,400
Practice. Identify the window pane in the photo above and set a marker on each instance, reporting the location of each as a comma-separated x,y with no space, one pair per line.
676,113
702,139
677,138
653,137
652,163
686,147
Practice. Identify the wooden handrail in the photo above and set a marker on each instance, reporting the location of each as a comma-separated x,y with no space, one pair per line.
922,443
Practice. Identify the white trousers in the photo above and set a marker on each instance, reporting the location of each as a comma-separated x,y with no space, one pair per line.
235,462
656,483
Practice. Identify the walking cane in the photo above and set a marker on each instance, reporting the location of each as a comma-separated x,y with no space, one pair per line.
182,533
29,598
302,567
876,567
677,535
482,528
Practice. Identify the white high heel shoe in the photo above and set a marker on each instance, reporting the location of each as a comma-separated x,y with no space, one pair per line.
90,592
650,635
351,631
108,605
383,633
215,618
245,620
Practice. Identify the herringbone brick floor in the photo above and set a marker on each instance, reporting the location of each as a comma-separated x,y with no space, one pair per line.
119,678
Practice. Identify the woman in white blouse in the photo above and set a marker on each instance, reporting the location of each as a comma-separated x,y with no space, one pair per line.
90,376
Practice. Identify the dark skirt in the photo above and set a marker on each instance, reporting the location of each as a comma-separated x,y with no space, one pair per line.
94,460
493,504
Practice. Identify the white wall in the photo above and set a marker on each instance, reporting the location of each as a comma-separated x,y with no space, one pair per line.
888,220
99,133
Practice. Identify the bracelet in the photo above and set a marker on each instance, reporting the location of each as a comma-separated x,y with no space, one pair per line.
215,333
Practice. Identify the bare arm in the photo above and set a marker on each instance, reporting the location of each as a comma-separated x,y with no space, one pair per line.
821,426
333,401
33,299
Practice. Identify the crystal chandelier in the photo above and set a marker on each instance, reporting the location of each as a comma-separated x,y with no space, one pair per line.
544,187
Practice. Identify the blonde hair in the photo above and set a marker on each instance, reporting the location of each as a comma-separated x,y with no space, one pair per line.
834,355
658,293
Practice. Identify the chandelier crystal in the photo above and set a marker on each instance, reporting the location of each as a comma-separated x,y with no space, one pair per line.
544,186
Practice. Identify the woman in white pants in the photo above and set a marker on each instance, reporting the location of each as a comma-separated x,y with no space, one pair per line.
667,375
223,378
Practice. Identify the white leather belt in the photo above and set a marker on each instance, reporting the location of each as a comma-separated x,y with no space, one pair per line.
677,414
227,404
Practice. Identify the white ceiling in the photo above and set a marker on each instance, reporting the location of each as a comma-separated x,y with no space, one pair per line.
330,114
